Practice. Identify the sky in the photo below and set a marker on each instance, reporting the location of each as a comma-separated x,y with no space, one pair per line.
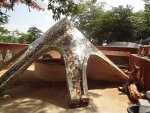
136,4
22,18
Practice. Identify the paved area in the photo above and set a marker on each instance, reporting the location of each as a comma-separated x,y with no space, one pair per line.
30,95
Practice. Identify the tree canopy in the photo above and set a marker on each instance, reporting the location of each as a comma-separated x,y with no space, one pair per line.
58,7
99,25
118,24
19,37
33,34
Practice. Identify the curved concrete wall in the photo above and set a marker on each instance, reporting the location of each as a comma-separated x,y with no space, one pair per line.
54,54
49,71
54,71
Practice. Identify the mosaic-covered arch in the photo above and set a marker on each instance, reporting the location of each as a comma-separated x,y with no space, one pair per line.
75,49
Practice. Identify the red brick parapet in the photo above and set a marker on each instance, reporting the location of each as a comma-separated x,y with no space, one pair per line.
11,46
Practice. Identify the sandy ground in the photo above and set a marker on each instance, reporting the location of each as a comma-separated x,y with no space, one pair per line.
30,95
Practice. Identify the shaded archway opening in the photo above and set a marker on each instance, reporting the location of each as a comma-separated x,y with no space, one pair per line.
96,69
45,69
99,75
50,67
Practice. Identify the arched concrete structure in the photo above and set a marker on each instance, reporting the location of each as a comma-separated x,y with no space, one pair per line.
75,49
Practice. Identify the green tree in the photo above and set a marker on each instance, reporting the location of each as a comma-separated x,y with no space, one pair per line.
87,19
100,25
4,31
33,34
15,36
23,38
8,39
116,24
137,20
7,36
3,18
146,31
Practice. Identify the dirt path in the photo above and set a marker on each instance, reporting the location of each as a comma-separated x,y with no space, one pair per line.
30,95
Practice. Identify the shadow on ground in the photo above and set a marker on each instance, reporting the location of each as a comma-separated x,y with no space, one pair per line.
30,95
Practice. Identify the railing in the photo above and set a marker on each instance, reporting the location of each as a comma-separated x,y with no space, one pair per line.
10,52
118,55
